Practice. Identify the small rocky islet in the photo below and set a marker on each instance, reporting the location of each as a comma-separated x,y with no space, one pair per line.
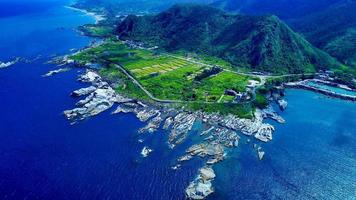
220,132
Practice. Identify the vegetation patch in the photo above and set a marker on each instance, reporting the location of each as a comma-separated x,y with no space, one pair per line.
96,30
167,77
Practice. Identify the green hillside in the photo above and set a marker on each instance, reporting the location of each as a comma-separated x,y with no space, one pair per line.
328,24
332,30
261,43
284,9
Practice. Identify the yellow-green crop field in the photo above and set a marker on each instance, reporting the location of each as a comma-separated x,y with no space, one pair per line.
164,76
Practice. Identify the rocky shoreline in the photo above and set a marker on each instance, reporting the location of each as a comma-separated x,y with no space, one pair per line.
220,132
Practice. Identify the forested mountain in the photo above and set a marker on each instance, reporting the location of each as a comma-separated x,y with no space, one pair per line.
327,24
333,30
133,6
284,9
262,43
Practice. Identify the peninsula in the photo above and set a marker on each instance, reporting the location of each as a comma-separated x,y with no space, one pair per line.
196,64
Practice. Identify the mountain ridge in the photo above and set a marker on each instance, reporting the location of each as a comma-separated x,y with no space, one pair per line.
262,43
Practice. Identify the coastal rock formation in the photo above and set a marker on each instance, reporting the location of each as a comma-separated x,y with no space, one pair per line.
145,114
83,91
90,77
282,104
182,124
101,99
260,153
54,72
8,64
98,101
270,113
220,132
248,127
167,123
201,187
264,133
152,125
146,151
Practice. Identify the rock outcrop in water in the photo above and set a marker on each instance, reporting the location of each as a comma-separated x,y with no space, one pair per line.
83,91
182,124
282,104
98,100
201,187
54,72
146,151
220,132
8,64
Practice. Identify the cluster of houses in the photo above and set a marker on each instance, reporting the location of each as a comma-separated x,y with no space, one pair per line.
238,96
325,75
138,45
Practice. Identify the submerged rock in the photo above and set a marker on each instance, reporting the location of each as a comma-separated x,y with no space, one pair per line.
260,153
8,64
185,158
54,72
282,104
175,167
146,151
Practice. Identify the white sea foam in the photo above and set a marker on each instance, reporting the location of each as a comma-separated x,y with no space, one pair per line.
7,64
97,17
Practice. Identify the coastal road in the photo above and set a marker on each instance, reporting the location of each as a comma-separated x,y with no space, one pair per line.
263,79
123,70
150,95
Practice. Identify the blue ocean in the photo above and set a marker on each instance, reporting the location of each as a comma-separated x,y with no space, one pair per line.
42,156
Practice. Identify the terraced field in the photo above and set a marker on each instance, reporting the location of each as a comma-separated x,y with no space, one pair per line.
160,68
165,77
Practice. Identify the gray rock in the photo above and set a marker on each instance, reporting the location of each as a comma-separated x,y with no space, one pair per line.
83,91
260,153
54,72
201,187
282,104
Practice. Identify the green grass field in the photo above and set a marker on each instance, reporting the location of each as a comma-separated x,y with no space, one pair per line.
164,76
96,30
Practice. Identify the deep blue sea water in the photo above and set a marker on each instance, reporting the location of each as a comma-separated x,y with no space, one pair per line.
312,156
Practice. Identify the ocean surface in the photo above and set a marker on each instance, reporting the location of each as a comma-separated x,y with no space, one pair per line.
312,156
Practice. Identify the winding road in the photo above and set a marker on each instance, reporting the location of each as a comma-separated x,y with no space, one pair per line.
263,79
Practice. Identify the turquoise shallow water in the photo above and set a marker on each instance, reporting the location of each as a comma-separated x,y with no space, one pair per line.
330,88
312,156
